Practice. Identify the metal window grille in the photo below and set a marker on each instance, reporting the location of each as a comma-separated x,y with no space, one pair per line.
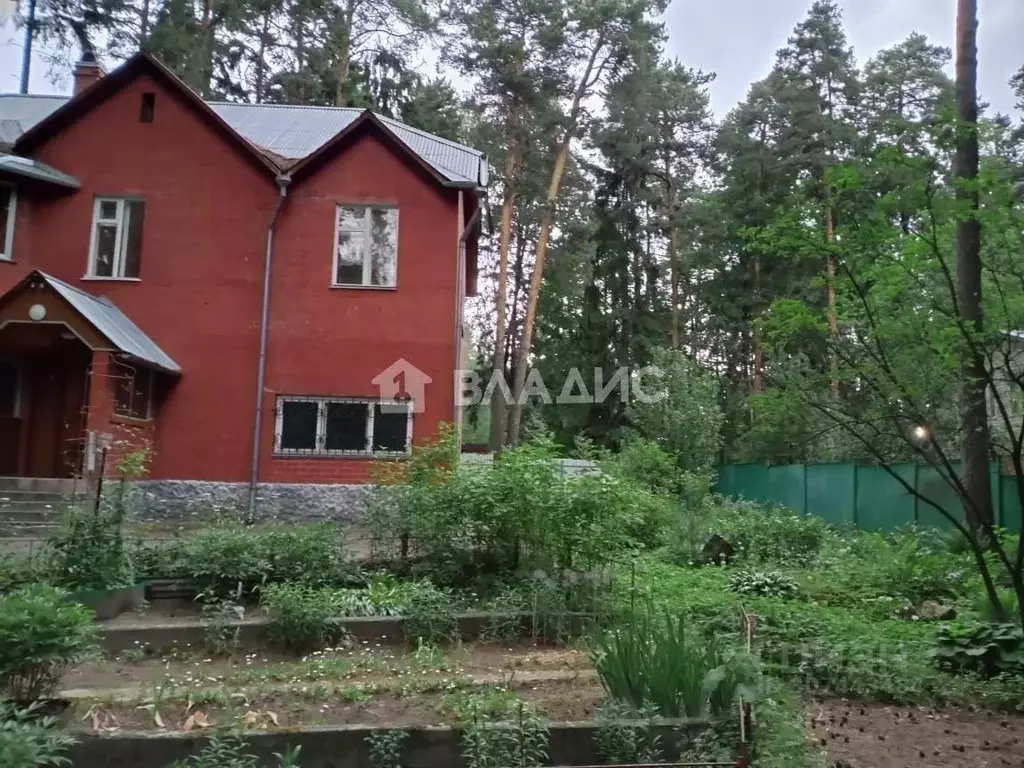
310,426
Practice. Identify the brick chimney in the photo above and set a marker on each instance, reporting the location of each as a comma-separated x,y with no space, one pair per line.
87,72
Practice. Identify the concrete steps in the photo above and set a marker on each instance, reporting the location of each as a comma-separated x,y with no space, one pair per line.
32,506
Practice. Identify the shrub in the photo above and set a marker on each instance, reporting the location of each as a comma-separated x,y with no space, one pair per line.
220,559
763,584
431,614
769,535
653,660
41,635
28,742
988,650
301,617
88,551
520,512
226,750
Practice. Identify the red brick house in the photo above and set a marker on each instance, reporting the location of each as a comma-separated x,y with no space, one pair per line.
164,259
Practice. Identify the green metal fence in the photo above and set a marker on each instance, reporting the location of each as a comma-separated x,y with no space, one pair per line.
865,496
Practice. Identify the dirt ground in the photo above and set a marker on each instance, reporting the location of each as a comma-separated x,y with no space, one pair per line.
359,662
853,735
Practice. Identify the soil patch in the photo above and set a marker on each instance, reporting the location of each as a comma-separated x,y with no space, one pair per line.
854,735
564,700
357,663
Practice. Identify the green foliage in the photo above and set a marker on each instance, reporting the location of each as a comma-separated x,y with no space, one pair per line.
222,558
41,635
220,636
229,750
301,617
522,512
431,614
779,740
386,747
770,535
988,650
687,420
513,738
26,741
626,735
656,660
88,551
763,583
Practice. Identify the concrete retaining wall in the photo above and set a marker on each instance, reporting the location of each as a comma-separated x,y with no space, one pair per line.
343,747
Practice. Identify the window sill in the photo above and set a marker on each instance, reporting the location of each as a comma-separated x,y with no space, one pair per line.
5,260
131,421
345,456
335,287
95,278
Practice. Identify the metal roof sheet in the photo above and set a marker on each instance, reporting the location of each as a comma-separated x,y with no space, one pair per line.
33,169
114,324
292,132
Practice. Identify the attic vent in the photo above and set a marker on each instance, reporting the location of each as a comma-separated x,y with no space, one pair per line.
147,108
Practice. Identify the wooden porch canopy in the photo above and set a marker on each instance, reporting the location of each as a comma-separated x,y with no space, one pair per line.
40,305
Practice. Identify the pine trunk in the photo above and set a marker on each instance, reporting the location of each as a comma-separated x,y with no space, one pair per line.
345,55
513,155
974,416
540,255
833,317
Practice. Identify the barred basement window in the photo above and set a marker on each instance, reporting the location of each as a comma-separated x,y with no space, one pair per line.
341,426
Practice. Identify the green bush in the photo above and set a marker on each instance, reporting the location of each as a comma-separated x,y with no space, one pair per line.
41,635
28,742
520,513
988,650
302,617
88,550
655,660
228,750
769,535
763,583
221,558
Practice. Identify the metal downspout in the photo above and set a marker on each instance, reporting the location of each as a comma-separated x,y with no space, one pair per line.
261,368
460,310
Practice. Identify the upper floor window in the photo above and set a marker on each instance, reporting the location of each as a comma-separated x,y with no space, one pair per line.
8,208
366,246
116,247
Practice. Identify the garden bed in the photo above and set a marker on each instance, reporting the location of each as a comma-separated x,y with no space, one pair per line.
856,734
182,627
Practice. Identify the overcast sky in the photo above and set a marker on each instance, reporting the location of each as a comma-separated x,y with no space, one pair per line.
737,39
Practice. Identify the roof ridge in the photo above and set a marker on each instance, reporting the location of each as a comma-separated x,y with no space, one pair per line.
285,106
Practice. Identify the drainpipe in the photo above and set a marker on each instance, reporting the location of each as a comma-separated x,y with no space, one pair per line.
261,368
470,225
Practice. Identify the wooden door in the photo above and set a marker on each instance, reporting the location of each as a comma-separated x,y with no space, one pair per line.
56,423
10,423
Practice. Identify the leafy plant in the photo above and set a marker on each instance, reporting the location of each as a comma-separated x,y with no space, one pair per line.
985,649
41,635
26,741
220,636
301,617
508,740
386,747
654,660
228,750
770,535
88,551
431,614
626,735
763,583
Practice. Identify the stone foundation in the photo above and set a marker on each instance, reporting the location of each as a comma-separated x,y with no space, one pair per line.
184,500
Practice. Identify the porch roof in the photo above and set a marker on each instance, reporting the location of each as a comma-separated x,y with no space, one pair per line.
112,323
27,168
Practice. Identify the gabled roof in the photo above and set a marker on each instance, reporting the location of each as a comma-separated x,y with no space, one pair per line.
282,136
105,317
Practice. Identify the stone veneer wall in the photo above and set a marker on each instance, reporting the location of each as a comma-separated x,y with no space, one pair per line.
181,500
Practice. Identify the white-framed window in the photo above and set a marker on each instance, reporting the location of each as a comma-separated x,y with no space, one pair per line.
342,426
115,249
365,246
8,211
